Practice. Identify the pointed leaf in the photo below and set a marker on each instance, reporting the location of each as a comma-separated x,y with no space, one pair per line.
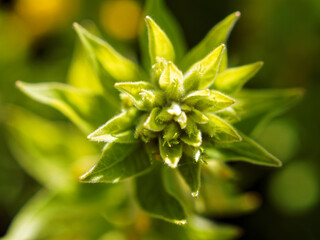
159,43
118,162
157,10
81,73
192,134
171,81
170,154
219,130
208,100
203,73
229,115
233,79
217,35
154,198
190,171
251,103
86,109
152,123
247,150
198,117
102,54
171,132
143,94
116,125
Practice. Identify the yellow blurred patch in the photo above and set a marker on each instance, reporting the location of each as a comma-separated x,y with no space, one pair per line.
121,18
43,16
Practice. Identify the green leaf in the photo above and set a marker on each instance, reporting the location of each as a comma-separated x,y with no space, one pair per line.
157,10
154,198
47,214
192,134
159,43
118,162
251,103
81,73
170,154
102,54
85,108
202,229
232,79
247,150
46,149
152,123
171,81
116,127
203,73
190,171
217,35
198,116
171,132
219,130
143,94
208,100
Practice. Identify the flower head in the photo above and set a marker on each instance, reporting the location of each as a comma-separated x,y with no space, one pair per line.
177,117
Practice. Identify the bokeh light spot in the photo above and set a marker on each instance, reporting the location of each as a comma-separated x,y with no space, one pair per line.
295,188
121,18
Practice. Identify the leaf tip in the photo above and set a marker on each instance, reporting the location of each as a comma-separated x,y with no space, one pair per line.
237,14
18,84
75,24
181,222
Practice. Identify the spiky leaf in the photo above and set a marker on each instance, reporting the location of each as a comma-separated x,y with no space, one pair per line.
203,73
159,43
233,79
217,35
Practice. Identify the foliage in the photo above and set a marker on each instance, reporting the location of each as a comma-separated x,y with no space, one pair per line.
170,130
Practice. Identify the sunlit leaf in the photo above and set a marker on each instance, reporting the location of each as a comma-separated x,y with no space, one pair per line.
219,130
217,35
118,162
171,81
86,109
157,10
159,43
208,100
115,126
152,123
247,150
202,74
119,68
81,73
233,79
170,154
154,198
198,116
143,94
192,135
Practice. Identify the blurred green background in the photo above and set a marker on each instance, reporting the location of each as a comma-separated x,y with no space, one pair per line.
37,44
